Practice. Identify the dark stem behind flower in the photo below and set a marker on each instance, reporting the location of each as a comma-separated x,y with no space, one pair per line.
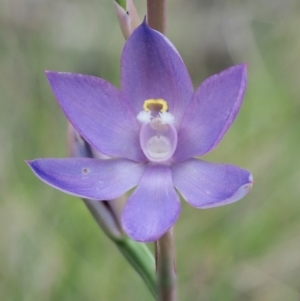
165,265
156,14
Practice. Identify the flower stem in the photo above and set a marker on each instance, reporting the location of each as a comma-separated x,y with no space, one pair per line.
141,260
156,14
165,264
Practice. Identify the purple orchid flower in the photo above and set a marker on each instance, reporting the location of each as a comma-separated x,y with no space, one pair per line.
152,127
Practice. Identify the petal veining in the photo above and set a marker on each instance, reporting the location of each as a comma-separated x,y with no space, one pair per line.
151,68
153,207
89,178
211,112
99,113
204,185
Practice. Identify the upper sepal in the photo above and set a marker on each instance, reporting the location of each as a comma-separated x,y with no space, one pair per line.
151,68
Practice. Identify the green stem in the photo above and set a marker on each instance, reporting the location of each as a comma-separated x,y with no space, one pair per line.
141,260
166,275
122,3
156,14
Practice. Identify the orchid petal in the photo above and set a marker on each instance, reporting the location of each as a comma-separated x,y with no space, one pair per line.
151,68
89,178
204,185
153,207
211,112
97,111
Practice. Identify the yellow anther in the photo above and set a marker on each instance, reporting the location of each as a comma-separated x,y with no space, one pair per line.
155,105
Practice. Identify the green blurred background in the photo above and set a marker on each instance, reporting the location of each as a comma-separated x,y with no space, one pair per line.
51,248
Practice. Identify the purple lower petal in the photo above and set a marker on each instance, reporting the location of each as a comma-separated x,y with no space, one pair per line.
211,112
153,207
151,68
99,113
204,185
89,178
